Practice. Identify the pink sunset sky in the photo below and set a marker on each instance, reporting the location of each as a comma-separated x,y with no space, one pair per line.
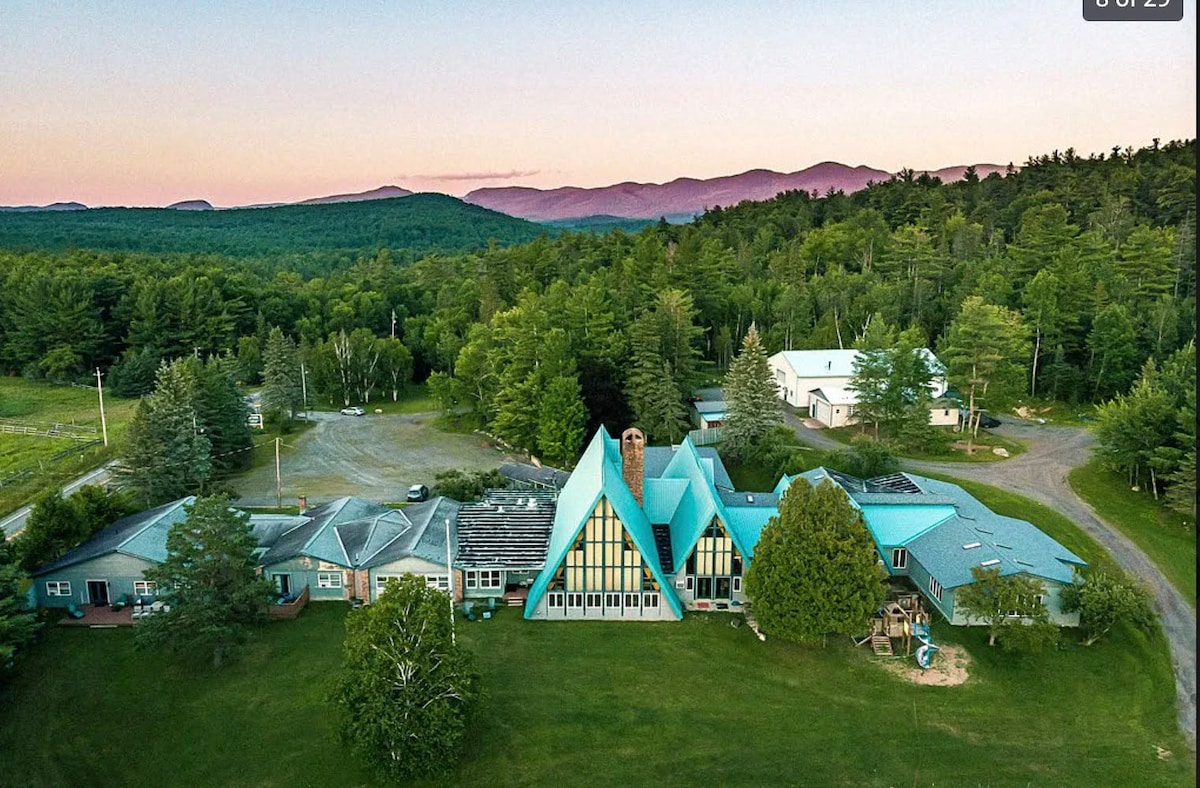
148,103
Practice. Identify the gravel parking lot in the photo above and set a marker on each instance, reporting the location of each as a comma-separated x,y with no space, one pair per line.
375,457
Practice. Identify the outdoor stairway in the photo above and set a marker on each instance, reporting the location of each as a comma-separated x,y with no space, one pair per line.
882,646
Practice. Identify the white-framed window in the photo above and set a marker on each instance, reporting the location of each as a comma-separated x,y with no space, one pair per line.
575,599
145,588
58,588
484,578
650,600
899,558
633,601
381,582
612,601
554,599
594,600
329,579
935,588
737,584
440,582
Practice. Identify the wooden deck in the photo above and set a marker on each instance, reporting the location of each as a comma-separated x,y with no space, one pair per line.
101,616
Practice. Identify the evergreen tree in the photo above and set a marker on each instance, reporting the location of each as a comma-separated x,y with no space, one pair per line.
210,584
872,370
18,624
983,349
815,570
655,399
562,420
222,411
166,455
407,691
282,388
751,397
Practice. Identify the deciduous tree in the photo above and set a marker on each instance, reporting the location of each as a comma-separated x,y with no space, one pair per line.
407,691
1010,606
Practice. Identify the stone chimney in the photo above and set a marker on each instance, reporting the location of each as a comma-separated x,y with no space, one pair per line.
633,461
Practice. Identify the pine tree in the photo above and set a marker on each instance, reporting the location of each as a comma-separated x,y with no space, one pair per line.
281,393
209,582
222,411
655,399
17,624
562,420
751,397
167,455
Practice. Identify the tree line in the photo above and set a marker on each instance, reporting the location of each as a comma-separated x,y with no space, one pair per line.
1088,261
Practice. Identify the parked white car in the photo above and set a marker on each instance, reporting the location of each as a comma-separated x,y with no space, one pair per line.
353,410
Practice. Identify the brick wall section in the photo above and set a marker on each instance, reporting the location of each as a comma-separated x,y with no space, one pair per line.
633,461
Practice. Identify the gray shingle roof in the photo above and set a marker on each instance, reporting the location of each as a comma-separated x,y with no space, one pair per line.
505,530
530,474
116,537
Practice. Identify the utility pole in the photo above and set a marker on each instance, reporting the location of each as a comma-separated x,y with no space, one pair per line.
278,479
103,423
304,389
450,575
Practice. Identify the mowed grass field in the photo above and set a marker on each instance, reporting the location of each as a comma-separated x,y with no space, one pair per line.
1168,537
605,703
697,702
42,404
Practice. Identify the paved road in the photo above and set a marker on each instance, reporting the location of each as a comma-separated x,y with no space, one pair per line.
376,457
1041,474
12,524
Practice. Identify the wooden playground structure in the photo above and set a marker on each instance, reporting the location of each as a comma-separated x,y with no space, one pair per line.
898,618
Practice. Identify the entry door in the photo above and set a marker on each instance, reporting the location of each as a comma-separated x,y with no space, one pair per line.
283,583
98,591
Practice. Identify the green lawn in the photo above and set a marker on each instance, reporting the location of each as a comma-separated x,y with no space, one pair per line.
696,702
1169,538
41,404
415,398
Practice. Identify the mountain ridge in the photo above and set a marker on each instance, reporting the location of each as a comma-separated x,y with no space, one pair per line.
684,195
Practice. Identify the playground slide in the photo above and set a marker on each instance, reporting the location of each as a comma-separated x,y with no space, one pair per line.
928,647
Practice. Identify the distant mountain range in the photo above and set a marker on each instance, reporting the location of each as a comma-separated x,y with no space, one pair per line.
684,196
678,200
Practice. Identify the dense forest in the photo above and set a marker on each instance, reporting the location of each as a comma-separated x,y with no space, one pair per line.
417,223
1095,257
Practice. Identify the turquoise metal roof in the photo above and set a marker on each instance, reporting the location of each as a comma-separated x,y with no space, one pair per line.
698,506
598,475
746,524
662,498
894,525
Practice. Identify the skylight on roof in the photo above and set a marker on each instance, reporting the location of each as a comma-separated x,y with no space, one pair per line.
1023,563
972,545
982,530
990,562
1006,547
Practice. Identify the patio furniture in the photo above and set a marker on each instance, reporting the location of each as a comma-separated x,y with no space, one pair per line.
73,611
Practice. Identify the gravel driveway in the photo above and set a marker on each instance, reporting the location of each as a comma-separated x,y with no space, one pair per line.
1041,474
375,457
